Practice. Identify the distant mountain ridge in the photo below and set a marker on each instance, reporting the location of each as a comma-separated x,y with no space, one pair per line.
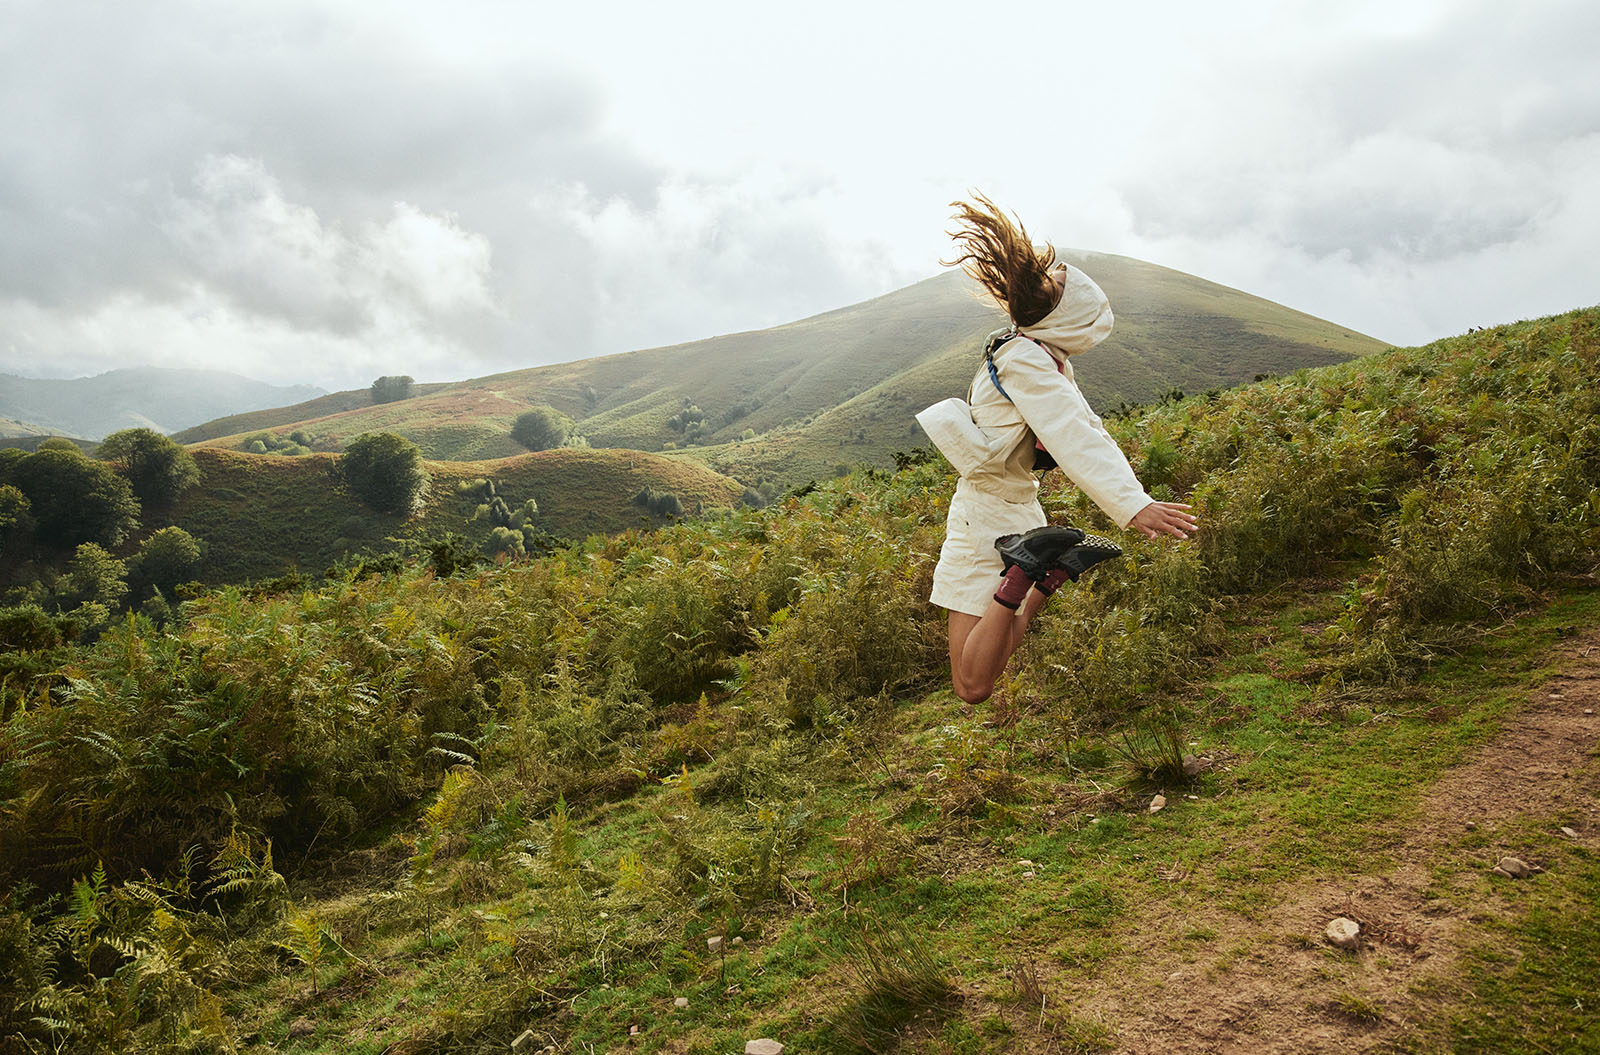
799,400
158,398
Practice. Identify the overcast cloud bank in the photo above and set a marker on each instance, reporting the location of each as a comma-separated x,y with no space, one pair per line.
325,192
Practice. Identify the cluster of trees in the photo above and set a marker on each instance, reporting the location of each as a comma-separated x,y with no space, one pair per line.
391,388
65,517
57,497
513,530
690,421
297,442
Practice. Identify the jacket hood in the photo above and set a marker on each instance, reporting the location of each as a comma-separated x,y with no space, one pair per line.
1079,321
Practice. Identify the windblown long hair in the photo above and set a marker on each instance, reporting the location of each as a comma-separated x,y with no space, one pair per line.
995,250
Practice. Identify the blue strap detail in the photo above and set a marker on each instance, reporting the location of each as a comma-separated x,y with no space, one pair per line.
994,375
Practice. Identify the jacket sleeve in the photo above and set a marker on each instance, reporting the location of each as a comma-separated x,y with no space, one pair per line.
1060,417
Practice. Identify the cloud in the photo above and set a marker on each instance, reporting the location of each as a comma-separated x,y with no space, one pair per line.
324,190
1418,181
177,161
270,256
705,258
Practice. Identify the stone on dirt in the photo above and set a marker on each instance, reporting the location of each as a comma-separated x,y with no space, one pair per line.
524,1042
1158,804
681,1002
1192,766
1514,868
1345,933
714,943
763,1046
1569,833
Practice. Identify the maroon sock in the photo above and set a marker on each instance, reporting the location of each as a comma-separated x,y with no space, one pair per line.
1052,581
1013,587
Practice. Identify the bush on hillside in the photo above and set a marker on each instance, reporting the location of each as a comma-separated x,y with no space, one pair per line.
386,472
542,429
661,503
169,557
93,583
157,469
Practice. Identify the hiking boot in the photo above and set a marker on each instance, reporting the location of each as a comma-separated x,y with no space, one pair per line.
1039,550
1091,550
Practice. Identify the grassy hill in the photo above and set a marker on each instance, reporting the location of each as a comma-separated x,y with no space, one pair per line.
841,387
270,418
262,515
720,763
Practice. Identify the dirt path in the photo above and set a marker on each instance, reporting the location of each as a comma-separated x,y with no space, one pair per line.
1292,992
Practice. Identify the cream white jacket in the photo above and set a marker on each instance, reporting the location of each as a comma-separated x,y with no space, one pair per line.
1046,405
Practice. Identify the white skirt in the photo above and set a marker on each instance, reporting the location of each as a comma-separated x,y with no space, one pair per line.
969,567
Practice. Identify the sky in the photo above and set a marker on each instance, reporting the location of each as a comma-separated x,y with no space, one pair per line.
325,192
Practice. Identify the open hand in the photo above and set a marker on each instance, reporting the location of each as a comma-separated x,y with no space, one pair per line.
1165,518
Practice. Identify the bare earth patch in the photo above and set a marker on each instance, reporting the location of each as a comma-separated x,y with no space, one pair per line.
1275,985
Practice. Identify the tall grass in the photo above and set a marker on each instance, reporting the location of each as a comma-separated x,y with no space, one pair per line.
727,662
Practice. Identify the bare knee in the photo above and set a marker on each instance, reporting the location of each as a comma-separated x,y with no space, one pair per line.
974,693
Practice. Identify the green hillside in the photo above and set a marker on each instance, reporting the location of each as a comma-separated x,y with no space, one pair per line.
276,417
841,387
262,515
10,427
675,790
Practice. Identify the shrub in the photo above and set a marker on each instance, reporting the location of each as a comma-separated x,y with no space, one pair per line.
93,577
661,503
157,469
542,428
167,558
386,472
504,541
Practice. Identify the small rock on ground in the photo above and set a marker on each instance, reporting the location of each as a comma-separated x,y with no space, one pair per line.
1569,833
763,1046
1514,868
681,1002
1158,803
302,1027
1345,933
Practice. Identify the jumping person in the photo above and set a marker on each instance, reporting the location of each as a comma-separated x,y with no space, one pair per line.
1026,403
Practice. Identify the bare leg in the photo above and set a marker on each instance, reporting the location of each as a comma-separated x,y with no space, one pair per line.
980,647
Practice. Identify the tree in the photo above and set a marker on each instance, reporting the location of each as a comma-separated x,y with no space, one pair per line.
157,469
391,388
542,428
386,472
16,516
169,557
75,499
93,577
